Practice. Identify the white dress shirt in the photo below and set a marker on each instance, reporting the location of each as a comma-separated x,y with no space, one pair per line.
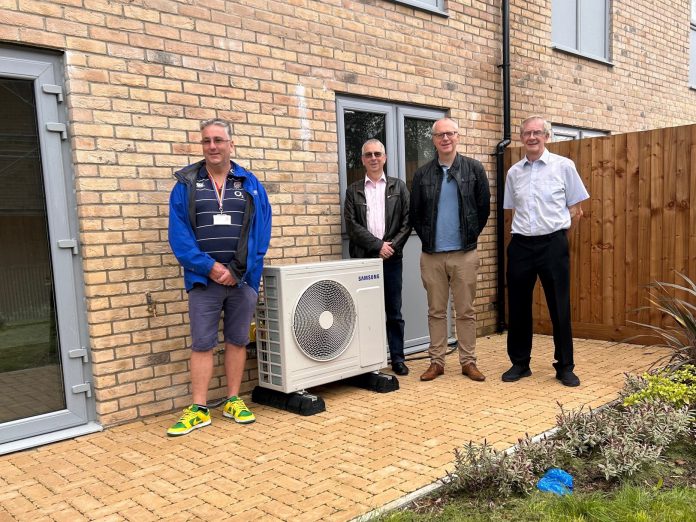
540,193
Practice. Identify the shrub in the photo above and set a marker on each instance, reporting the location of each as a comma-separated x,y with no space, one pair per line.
544,453
677,302
641,435
482,470
613,442
585,430
675,387
618,441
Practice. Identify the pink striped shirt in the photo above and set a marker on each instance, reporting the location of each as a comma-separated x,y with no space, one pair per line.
374,197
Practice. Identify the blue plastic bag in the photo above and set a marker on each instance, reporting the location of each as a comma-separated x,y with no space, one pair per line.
556,481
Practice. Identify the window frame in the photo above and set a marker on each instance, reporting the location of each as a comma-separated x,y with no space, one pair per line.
578,50
435,6
45,68
575,133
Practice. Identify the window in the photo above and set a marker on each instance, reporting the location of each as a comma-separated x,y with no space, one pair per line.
563,133
692,56
581,27
436,6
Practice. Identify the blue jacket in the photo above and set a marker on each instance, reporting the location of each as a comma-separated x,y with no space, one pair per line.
182,222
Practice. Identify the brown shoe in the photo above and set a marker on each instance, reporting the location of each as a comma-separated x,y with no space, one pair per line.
433,372
472,372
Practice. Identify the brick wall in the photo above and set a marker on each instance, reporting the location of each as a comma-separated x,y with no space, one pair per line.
142,73
646,87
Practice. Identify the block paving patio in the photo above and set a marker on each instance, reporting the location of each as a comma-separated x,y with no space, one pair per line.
365,451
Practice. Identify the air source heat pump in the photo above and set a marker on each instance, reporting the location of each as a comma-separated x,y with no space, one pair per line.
320,322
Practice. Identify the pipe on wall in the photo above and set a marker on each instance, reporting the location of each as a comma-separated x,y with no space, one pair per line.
500,168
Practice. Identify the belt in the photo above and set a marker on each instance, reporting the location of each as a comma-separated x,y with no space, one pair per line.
539,239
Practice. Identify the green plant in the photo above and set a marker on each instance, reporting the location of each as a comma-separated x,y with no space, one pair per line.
612,442
585,430
616,441
677,302
621,456
544,453
675,387
481,470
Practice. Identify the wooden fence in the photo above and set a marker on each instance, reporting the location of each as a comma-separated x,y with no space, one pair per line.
639,226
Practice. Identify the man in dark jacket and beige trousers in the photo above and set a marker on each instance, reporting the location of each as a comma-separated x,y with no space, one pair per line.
450,204
376,212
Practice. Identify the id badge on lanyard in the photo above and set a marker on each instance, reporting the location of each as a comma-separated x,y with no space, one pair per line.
221,218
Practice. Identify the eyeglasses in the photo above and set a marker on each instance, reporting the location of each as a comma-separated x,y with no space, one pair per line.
373,154
535,133
217,141
448,134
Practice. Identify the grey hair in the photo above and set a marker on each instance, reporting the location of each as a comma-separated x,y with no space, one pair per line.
371,141
456,125
547,126
220,123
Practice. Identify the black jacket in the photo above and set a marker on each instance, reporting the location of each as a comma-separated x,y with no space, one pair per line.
396,228
474,200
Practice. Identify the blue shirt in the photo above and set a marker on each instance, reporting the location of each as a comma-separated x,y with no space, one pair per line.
448,235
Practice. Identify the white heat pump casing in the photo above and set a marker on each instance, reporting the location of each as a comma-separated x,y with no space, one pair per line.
301,309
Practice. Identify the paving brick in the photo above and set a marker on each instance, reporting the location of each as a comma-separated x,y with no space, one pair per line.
335,465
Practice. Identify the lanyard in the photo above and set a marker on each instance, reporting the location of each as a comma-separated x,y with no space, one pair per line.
219,195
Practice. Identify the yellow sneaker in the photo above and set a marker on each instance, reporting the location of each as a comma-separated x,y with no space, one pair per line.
192,418
235,408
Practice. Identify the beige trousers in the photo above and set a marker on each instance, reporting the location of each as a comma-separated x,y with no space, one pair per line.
441,272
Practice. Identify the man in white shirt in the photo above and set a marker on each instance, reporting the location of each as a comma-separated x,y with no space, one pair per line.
376,212
545,191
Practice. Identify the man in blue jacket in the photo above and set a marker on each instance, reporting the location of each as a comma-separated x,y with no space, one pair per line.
219,230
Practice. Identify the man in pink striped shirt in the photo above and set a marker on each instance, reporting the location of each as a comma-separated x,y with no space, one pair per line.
376,212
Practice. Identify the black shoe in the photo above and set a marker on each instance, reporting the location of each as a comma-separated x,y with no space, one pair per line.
568,378
516,373
400,368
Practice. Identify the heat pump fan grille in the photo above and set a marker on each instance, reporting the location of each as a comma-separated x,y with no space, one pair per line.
324,320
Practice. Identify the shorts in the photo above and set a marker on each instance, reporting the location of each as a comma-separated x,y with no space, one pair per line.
205,305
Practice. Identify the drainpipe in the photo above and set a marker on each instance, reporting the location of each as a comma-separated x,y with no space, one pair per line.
500,166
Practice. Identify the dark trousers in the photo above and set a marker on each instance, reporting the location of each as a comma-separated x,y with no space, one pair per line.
392,306
546,257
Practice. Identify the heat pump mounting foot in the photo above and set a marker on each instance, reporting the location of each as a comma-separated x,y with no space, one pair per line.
375,381
302,403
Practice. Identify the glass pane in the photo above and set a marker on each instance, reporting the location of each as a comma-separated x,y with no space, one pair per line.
564,23
31,381
593,28
418,145
360,127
